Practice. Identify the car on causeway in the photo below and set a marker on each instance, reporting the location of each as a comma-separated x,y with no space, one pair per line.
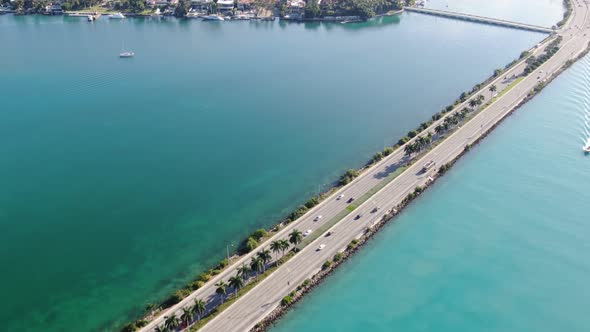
322,246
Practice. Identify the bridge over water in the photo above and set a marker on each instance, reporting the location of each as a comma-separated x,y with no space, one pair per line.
480,19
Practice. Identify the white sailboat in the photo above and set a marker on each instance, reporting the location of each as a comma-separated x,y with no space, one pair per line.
587,147
125,54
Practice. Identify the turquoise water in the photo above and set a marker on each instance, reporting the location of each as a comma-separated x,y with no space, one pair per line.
543,12
498,244
122,179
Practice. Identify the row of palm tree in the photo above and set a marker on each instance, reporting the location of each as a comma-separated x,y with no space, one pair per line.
171,323
257,265
477,101
418,145
452,121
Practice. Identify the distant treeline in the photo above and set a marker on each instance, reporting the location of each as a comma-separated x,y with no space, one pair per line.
362,8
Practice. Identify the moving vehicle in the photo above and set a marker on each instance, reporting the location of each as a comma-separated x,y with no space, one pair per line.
350,200
376,209
318,218
341,196
429,165
307,232
322,246
117,15
358,216
329,233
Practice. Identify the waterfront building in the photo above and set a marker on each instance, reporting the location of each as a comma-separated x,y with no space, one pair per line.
225,6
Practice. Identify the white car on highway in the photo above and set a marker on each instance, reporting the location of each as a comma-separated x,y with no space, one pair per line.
322,246
341,196
318,218
307,232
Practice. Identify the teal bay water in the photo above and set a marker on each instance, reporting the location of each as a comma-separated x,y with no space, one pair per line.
122,179
500,243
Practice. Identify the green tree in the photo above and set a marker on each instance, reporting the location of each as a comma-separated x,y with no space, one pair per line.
187,315
199,308
244,271
171,322
295,237
251,244
259,234
492,89
312,9
265,256
161,329
236,283
221,290
275,246
256,264
284,246
439,129
182,8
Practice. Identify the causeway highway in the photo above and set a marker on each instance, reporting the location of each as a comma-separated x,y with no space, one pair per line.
262,299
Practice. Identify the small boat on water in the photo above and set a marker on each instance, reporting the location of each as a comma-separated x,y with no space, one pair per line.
117,16
127,54
90,18
587,148
213,18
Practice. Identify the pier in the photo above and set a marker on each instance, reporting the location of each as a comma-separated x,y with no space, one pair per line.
480,19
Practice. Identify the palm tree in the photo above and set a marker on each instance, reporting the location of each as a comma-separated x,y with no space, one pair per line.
161,329
295,237
244,271
256,264
187,315
171,322
409,149
199,308
439,129
481,98
473,103
221,290
236,282
492,89
265,256
284,246
275,246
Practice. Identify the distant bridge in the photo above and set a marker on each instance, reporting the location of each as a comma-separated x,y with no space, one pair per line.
480,19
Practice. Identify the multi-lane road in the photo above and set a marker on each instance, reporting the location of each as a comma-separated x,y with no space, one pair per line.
261,300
